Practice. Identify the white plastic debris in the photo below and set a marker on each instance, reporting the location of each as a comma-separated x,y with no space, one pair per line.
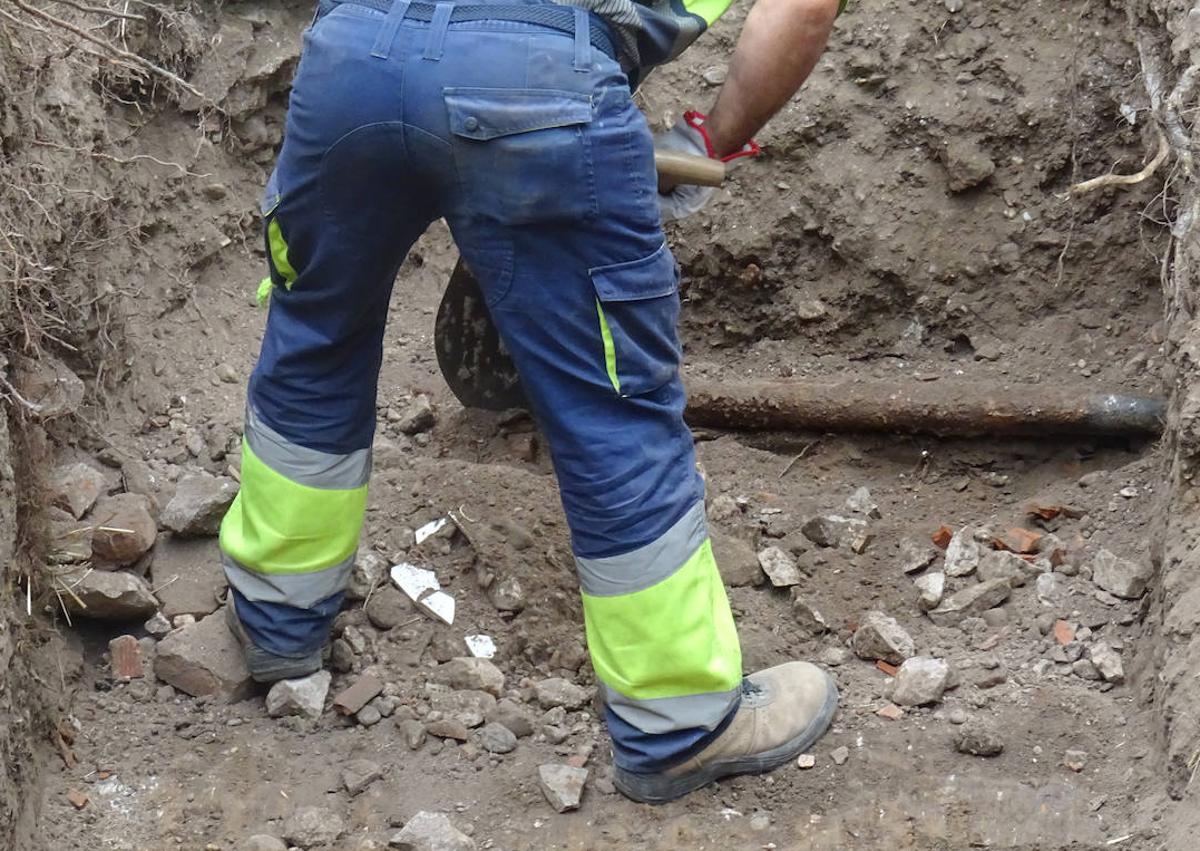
422,587
481,646
430,529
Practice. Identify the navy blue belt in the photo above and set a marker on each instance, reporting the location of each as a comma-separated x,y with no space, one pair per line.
556,17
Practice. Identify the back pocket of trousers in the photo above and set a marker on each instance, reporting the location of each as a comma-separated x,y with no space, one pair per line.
637,308
523,155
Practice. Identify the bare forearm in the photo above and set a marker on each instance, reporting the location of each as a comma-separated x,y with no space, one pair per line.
778,48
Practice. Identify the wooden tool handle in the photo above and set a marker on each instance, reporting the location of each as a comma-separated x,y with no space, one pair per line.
688,168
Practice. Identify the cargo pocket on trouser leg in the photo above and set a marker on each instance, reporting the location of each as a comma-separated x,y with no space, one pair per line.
280,272
637,308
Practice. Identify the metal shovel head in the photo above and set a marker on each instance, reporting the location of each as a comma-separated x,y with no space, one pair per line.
470,354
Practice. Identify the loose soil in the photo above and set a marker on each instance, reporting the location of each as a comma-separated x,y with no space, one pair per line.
842,252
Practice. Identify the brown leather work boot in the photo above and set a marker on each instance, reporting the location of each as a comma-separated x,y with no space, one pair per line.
784,710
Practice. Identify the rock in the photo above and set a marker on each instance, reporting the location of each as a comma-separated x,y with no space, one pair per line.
806,761
1121,577
723,507
496,738
469,673
370,569
840,755
358,774
736,560
1085,669
966,164
932,587
978,738
352,699
448,728
1075,760
1108,662
75,487
834,657
204,658
562,785
262,842
1051,590
834,531
125,529
388,608
313,826
48,384
779,567
915,556
412,731
921,680
418,416
808,616
556,691
999,564
125,658
880,637
369,715
962,553
188,575
431,832
507,595
199,503
861,502
466,706
304,697
158,625
511,715
971,601
104,595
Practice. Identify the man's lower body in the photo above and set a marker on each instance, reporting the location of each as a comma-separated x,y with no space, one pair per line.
524,136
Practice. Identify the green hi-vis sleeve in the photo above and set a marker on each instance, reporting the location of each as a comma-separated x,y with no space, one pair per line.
709,10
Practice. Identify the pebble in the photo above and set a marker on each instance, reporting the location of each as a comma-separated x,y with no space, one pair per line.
199,503
562,785
388,607
1085,669
962,553
368,716
313,826
1075,760
957,716
158,625
428,831
971,601
496,738
834,531
1108,663
779,567
840,755
921,680
806,761
75,487
953,5
470,673
861,502
304,697
368,572
1051,590
412,731
513,716
1121,577
418,416
723,507
834,657
932,587
880,637
507,595
358,774
915,556
978,738
557,691
760,822
807,615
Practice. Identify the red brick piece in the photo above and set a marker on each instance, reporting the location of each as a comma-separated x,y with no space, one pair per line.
125,658
365,689
78,799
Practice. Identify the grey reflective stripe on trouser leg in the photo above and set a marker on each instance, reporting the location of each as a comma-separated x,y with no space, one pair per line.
302,590
308,467
648,565
666,714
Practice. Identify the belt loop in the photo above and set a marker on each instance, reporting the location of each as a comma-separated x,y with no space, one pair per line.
437,30
387,31
583,40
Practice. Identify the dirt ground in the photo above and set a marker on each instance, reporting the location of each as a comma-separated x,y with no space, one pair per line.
909,222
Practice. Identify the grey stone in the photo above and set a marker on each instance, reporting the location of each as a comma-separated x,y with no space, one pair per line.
834,657
204,658
978,738
368,716
962,553
933,588
921,680
736,560
834,531
388,607
779,567
971,601
358,774
188,575
304,696
75,487
341,657
105,595
562,785
1121,577
448,728
861,502
967,165
412,731
199,503
513,716
1075,760
1085,669
470,673
418,416
468,707
1051,590
840,755
915,556
262,842
158,625
48,384
808,616
369,571
556,691
496,738
999,564
310,827
431,832
1108,662
880,637
507,595
124,529
723,507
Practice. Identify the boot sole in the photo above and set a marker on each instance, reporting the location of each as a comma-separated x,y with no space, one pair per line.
662,788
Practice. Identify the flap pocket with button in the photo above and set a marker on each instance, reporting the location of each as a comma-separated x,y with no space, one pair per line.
522,155
637,304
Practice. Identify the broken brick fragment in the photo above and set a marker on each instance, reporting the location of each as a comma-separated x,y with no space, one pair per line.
125,658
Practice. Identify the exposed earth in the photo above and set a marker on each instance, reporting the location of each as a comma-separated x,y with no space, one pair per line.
911,221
